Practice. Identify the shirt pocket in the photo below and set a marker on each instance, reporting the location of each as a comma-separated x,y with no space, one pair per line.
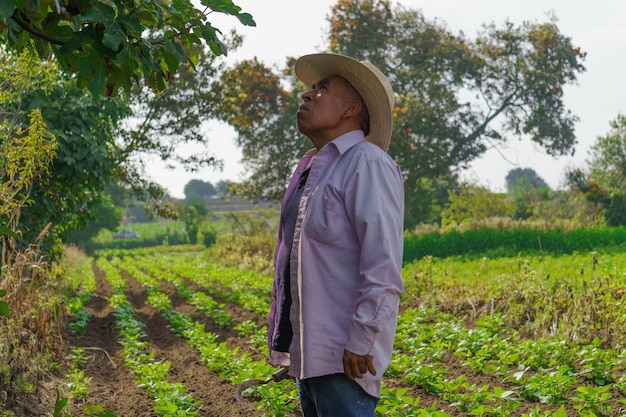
327,220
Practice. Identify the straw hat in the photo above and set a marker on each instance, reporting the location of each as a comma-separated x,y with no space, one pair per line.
368,81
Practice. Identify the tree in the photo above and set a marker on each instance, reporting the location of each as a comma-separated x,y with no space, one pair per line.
162,124
451,91
27,147
607,160
105,216
111,45
222,187
607,176
429,198
525,178
474,204
262,113
527,189
199,189
97,152
455,97
86,159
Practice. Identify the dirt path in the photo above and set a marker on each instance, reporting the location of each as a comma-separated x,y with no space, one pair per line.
112,384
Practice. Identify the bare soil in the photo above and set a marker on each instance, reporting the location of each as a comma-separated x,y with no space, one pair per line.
113,386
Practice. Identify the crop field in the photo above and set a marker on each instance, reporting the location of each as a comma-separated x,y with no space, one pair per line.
164,332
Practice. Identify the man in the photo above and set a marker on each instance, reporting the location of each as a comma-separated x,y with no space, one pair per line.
338,257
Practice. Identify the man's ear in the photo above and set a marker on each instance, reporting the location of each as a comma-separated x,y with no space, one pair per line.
352,108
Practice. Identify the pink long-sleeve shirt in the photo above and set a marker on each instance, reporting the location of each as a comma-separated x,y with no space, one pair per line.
345,261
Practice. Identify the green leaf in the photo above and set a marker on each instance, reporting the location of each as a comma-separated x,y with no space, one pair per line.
4,309
60,404
4,230
246,19
113,37
86,66
226,6
6,8
171,60
102,13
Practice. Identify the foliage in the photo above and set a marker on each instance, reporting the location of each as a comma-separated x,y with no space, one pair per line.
607,157
28,148
474,202
561,208
604,184
455,96
254,102
207,235
428,200
510,242
525,178
4,306
105,216
111,45
199,189
514,76
69,153
163,124
95,152
247,241
527,189
193,214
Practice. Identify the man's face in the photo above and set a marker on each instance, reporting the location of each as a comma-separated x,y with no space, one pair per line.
320,114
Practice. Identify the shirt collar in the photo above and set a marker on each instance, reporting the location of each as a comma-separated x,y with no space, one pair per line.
348,140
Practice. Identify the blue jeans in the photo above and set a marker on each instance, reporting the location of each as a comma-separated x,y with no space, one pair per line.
334,396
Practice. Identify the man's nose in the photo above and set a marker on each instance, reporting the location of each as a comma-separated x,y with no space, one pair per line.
308,95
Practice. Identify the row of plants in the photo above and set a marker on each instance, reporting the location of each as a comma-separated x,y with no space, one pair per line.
249,289
559,379
198,299
511,242
81,284
499,369
171,399
577,297
545,371
273,399
230,364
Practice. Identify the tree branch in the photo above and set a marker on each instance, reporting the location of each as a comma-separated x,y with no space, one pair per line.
33,32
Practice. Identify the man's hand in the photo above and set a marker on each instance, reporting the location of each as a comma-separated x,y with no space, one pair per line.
355,366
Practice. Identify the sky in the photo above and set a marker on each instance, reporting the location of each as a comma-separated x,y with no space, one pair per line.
297,27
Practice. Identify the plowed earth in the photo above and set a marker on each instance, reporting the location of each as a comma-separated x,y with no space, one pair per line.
113,386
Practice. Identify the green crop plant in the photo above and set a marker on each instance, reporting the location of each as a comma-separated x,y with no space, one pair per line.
77,381
593,401
548,387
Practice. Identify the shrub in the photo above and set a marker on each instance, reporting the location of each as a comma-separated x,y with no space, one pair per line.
207,235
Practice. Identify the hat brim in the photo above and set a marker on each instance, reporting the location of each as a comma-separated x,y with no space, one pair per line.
368,81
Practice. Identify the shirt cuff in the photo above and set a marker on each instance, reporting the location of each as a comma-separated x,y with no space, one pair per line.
279,358
361,340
